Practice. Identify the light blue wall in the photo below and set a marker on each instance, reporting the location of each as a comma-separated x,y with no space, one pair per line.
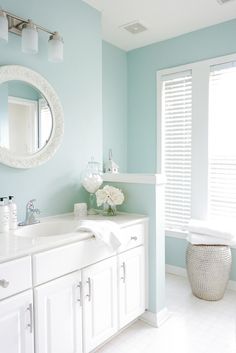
114,66
143,199
78,82
175,251
23,90
175,254
233,270
142,67
140,198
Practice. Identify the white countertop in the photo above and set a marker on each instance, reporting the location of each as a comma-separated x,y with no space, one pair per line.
12,246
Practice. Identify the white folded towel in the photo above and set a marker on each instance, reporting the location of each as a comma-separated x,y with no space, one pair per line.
197,239
223,230
106,231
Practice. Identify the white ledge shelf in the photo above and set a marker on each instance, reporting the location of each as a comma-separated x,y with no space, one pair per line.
131,178
183,236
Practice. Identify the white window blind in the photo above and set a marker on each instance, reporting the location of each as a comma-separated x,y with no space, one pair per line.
222,141
177,128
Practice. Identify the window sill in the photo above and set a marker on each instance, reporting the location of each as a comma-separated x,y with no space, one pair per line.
178,234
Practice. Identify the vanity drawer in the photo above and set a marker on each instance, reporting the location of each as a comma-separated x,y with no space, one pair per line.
132,236
58,262
15,276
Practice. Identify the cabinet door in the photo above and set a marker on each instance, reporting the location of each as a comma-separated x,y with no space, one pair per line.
16,324
100,302
131,266
58,314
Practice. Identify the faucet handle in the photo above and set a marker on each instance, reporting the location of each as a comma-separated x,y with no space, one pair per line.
33,200
30,203
30,214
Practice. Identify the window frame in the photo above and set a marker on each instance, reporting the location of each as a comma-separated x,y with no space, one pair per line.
200,111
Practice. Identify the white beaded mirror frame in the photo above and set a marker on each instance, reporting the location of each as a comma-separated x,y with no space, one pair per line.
21,73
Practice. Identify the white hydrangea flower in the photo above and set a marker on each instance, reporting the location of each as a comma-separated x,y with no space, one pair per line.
101,197
110,195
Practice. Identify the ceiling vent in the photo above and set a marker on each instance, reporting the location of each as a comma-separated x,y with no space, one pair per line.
222,2
134,27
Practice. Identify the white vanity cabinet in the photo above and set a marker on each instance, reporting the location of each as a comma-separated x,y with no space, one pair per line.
16,324
15,276
131,289
16,310
73,297
100,302
58,315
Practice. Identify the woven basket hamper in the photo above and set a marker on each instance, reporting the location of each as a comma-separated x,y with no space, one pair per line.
208,268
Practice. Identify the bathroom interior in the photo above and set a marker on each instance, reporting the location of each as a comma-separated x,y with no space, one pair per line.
117,176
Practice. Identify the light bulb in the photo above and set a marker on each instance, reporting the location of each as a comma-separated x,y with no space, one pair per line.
55,48
29,41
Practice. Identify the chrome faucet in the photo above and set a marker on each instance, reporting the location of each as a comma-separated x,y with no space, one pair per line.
30,215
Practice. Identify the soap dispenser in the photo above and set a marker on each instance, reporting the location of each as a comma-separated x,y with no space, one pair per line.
12,213
4,216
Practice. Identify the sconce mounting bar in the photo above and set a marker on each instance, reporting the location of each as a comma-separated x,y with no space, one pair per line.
16,24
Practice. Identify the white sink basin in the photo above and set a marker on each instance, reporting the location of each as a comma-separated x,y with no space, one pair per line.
47,229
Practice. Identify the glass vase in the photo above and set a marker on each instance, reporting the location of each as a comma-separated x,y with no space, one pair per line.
91,181
92,205
109,210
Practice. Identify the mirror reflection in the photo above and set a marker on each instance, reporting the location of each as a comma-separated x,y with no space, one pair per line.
25,118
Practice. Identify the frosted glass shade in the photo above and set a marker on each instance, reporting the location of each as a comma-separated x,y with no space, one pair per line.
3,27
55,48
29,40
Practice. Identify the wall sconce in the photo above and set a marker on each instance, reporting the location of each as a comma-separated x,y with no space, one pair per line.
29,35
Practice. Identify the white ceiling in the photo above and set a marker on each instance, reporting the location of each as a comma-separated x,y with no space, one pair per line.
163,18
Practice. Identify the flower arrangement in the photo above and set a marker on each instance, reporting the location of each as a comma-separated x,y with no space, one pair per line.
109,197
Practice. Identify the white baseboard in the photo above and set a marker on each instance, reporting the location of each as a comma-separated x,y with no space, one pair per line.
176,270
180,271
156,319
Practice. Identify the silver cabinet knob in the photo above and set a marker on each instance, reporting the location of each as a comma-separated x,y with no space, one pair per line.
134,238
4,283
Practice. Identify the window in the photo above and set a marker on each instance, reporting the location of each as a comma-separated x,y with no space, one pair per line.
197,117
177,115
222,141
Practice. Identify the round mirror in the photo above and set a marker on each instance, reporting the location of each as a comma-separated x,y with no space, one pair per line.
25,118
31,118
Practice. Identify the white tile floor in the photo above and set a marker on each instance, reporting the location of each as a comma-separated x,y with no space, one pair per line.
196,326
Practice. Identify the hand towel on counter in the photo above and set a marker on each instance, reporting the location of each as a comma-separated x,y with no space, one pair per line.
106,231
200,239
223,230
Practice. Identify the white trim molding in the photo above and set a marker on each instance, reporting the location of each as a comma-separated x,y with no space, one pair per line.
180,271
154,179
183,236
176,270
156,319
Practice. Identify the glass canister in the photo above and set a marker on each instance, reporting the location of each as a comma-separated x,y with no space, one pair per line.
91,181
